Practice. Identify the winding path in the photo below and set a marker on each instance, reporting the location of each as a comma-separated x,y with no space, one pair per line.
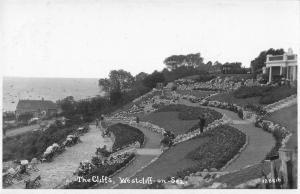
259,141
62,167
144,156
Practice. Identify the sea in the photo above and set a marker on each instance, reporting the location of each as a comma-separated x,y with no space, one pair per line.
16,88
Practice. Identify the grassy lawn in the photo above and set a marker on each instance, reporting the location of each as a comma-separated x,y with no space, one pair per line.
229,97
125,135
212,150
197,93
173,160
287,117
179,118
169,121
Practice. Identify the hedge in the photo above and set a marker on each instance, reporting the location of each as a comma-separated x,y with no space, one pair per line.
125,135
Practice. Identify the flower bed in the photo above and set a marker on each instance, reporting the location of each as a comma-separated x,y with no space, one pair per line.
125,135
224,144
106,170
280,134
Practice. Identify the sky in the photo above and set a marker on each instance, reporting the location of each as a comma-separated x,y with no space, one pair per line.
88,38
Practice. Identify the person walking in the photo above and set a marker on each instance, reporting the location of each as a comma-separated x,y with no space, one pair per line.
97,123
202,121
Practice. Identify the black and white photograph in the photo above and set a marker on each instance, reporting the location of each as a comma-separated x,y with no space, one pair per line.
149,94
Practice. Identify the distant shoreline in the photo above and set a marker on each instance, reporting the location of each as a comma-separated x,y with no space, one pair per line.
36,88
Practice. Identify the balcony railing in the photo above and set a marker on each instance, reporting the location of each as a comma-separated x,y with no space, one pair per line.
276,58
282,58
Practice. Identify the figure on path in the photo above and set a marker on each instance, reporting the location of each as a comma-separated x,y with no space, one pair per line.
97,123
137,119
202,120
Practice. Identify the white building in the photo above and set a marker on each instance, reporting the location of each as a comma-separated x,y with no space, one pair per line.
284,65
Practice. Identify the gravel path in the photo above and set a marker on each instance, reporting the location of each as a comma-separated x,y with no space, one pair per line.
259,141
63,166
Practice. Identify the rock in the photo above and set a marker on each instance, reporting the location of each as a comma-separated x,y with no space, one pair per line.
205,170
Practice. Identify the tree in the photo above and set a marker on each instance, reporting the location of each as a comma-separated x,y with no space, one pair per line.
140,77
259,61
104,84
191,60
68,105
117,78
121,77
115,95
151,80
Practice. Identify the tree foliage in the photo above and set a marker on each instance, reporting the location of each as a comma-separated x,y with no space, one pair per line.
151,80
117,78
190,60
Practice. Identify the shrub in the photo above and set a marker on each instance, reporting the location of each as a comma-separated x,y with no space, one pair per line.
34,143
125,135
205,78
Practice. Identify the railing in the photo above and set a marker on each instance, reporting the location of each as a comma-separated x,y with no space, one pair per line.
291,57
284,57
275,58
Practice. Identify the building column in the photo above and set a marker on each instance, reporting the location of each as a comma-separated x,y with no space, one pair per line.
294,73
281,70
270,74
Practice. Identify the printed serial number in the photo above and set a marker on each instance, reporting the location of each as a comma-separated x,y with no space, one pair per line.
271,180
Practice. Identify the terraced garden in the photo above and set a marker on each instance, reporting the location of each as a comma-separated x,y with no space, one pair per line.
211,150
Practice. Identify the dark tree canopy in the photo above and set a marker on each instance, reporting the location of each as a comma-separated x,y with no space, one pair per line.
190,60
117,78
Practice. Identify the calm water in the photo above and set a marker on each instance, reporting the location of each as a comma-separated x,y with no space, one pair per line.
15,88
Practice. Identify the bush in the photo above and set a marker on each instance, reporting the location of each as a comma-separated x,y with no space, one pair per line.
125,135
34,143
205,78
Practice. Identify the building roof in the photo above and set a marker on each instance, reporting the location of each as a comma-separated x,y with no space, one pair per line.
35,105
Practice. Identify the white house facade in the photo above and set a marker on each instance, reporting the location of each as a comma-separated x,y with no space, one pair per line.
282,65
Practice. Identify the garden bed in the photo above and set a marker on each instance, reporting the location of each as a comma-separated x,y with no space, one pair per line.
266,94
125,135
101,171
213,149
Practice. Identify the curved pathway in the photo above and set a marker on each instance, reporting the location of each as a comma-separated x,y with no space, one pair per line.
259,141
62,167
144,156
